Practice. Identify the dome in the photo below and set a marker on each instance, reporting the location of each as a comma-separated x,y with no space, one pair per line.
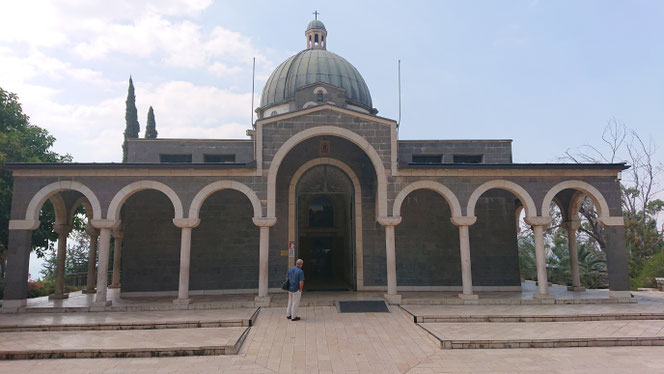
313,65
316,24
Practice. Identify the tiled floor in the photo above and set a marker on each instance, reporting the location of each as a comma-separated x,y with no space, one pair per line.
327,342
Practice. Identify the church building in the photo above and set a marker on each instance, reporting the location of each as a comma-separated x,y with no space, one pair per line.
320,177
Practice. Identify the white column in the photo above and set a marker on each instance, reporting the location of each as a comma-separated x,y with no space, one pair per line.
264,224
391,258
63,231
105,226
464,249
572,227
186,224
117,258
92,260
538,224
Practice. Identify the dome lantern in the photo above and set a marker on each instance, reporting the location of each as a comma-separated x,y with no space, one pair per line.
316,34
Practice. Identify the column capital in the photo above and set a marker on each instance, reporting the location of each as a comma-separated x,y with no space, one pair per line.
92,231
463,220
612,221
118,233
23,224
389,221
186,223
62,228
538,221
572,225
265,221
105,223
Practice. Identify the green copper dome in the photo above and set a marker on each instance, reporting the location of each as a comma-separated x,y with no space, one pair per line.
316,24
312,66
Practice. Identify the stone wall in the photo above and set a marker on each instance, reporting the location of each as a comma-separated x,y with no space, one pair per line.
493,151
148,150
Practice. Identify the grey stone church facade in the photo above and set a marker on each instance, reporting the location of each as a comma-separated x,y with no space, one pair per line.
321,177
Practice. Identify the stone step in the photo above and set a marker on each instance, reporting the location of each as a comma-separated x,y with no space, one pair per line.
134,343
546,334
644,310
128,320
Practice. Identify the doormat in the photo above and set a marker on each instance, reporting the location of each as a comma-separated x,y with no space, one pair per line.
362,306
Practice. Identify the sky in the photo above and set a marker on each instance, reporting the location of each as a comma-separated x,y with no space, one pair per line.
546,74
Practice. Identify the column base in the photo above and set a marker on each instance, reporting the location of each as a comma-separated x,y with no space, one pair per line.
544,297
99,306
262,301
392,299
181,301
12,306
114,286
86,291
468,297
620,294
576,288
58,297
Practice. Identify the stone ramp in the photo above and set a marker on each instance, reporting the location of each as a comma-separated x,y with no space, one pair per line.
128,320
133,343
546,334
644,310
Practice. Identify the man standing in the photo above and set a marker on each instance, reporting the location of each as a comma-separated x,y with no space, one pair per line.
295,277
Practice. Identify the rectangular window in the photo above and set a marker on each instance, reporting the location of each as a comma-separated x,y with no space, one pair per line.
181,158
467,159
219,158
427,159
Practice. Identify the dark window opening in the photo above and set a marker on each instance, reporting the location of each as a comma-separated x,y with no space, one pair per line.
175,158
316,38
321,212
218,158
467,159
319,96
427,159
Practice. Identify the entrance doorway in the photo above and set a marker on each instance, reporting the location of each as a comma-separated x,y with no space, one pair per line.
324,227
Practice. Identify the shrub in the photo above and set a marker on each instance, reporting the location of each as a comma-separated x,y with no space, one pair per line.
653,268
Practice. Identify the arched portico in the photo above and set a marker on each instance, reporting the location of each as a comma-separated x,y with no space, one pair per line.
590,191
357,187
213,187
130,189
37,201
358,140
520,192
442,190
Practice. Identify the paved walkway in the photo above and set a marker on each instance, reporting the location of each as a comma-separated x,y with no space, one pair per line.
327,342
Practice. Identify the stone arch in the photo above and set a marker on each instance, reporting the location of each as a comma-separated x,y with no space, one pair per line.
592,192
60,208
320,89
32,212
441,189
86,205
128,190
520,192
357,190
359,141
213,187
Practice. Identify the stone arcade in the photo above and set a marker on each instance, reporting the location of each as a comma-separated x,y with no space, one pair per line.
322,177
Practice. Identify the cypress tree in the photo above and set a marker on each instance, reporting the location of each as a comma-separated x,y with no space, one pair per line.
151,127
131,118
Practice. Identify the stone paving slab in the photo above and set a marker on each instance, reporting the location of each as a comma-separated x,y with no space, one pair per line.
134,343
128,320
546,334
643,310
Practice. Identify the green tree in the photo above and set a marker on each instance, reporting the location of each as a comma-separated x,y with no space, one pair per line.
151,127
132,128
21,141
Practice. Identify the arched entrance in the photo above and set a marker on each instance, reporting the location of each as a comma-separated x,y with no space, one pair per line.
325,235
